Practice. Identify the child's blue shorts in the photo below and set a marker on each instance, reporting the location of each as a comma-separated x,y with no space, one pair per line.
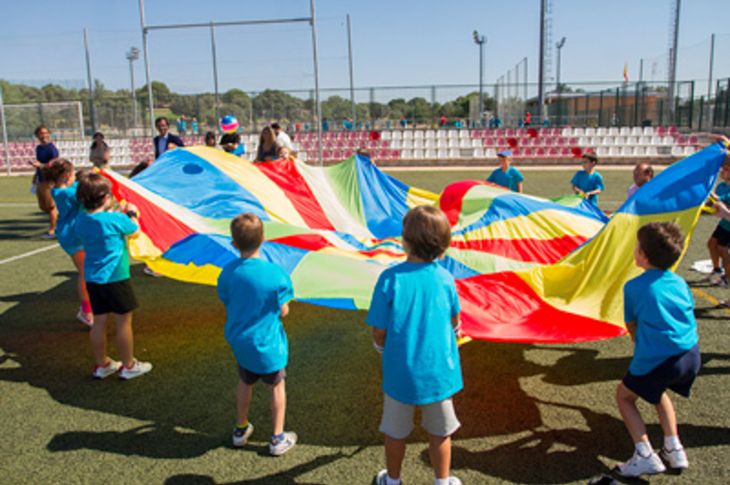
676,373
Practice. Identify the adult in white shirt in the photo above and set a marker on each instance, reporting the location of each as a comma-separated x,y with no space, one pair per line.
282,139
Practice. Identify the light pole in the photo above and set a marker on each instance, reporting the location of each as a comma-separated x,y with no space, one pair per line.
480,40
558,88
133,55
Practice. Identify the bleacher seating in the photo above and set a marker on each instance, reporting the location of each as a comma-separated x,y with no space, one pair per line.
419,144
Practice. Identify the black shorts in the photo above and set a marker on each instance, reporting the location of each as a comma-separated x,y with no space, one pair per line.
250,378
117,297
722,235
676,373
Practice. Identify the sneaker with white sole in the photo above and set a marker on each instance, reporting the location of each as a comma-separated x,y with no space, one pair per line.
85,318
278,447
48,235
382,478
138,369
639,465
150,272
676,458
241,435
112,367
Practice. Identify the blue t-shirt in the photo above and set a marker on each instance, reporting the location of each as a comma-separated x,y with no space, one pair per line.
723,193
44,154
509,178
68,208
661,305
588,182
414,303
253,292
104,237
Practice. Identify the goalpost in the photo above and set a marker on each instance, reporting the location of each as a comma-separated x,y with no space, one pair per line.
212,25
19,121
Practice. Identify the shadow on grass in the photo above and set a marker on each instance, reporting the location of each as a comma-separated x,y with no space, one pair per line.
566,455
283,477
333,386
26,228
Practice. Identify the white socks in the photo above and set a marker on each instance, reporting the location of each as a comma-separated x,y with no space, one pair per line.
643,448
391,481
672,443
441,481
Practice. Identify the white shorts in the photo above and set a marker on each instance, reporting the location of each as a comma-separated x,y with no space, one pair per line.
438,419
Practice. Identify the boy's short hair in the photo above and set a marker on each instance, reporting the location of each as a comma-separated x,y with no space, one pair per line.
39,128
56,169
93,190
276,126
161,118
661,242
427,232
649,170
247,231
591,157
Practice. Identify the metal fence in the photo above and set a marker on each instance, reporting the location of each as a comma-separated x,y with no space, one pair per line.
389,107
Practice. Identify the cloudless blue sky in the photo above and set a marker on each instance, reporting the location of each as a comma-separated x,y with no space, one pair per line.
396,42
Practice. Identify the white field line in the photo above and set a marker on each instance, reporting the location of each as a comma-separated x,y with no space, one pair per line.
29,253
18,204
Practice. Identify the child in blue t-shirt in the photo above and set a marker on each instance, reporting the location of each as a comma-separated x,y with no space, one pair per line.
414,313
506,175
59,173
588,183
256,294
720,239
659,315
103,234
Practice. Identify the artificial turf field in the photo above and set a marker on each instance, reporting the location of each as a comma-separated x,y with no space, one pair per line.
529,413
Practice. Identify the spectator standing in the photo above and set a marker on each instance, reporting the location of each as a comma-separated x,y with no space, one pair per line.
165,138
282,139
194,126
99,152
45,151
267,149
210,139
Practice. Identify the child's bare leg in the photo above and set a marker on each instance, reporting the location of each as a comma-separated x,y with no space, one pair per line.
626,401
53,216
439,449
78,259
667,416
97,335
244,393
722,251
278,406
395,451
125,338
714,252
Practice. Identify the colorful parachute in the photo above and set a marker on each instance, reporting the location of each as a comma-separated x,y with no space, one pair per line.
527,269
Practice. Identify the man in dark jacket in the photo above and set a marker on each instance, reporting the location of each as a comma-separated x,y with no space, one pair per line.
165,138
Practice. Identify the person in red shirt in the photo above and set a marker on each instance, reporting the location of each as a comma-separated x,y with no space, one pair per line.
442,121
528,118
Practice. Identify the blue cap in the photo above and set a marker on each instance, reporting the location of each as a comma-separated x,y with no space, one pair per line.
505,153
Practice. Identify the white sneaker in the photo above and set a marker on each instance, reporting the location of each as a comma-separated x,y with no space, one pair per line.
241,435
149,272
639,465
112,367
454,481
279,447
138,369
382,478
676,458
48,235
85,318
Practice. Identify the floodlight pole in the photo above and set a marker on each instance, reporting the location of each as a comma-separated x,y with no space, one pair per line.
313,23
147,72
132,56
480,41
91,82
352,80
558,88
541,63
215,72
5,132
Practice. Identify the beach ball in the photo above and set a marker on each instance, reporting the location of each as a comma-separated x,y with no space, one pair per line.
229,124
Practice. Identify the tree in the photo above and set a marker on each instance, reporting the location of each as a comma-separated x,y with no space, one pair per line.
160,92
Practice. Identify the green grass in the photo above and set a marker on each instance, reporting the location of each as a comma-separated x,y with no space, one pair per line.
530,413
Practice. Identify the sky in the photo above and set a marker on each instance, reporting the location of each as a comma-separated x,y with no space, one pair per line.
395,42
